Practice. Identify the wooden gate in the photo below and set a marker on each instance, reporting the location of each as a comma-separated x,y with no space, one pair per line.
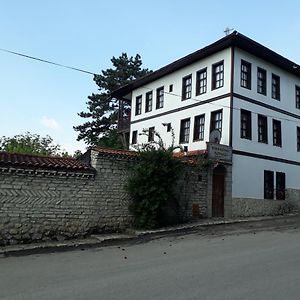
218,192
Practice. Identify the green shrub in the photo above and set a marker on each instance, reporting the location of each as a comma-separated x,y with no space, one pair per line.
151,186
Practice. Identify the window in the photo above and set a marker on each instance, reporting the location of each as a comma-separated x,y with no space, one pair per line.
199,128
277,133
170,88
216,120
268,185
187,87
262,127
298,139
184,131
245,74
160,97
149,99
218,75
246,124
201,82
280,186
134,137
297,97
151,134
261,81
275,87
138,105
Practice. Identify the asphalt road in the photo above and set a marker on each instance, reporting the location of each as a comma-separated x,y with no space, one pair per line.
226,262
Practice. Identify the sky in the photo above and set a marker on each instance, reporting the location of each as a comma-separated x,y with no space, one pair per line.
45,99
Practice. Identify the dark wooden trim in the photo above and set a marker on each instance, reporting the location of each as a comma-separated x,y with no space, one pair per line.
183,108
231,97
285,112
213,75
266,157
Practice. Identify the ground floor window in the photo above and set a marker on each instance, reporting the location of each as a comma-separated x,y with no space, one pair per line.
269,185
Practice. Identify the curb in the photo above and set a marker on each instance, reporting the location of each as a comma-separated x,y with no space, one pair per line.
104,240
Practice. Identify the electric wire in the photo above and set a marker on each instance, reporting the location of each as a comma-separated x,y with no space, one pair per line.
47,61
227,106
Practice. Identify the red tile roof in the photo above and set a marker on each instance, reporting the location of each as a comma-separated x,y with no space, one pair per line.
17,160
118,152
128,153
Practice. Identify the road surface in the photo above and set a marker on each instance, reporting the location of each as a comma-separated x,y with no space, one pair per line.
224,262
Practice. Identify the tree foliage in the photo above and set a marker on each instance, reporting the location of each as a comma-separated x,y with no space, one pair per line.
29,143
102,110
151,186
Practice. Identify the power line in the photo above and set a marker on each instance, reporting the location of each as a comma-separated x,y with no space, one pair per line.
226,106
47,61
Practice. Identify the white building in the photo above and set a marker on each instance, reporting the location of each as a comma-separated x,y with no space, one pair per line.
248,92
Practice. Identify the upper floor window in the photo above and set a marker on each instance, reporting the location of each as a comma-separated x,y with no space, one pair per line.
184,131
277,133
297,96
160,97
262,127
170,88
298,139
245,74
199,128
275,87
134,137
245,124
149,100
138,105
261,81
201,83
187,87
218,75
151,131
216,120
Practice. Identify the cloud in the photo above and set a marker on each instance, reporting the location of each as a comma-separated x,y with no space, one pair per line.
50,123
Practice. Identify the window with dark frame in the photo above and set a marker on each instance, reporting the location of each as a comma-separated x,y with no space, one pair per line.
261,81
216,120
246,132
160,97
201,82
245,74
151,131
134,137
149,100
184,131
262,127
170,88
218,75
277,133
275,87
280,186
187,87
297,95
268,184
138,105
298,139
199,128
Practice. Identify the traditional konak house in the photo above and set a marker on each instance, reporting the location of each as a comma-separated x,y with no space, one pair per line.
240,94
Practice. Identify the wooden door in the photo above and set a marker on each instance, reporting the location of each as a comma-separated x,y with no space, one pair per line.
218,195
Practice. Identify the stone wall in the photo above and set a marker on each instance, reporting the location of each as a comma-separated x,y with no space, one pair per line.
245,207
42,205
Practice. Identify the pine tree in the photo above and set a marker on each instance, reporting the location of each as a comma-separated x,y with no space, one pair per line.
102,110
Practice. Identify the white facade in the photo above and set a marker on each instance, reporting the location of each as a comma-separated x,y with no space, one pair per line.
251,157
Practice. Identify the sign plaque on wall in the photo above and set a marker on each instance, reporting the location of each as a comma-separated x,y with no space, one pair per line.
219,152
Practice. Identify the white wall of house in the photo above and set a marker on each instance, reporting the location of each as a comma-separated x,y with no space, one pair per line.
248,172
173,101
